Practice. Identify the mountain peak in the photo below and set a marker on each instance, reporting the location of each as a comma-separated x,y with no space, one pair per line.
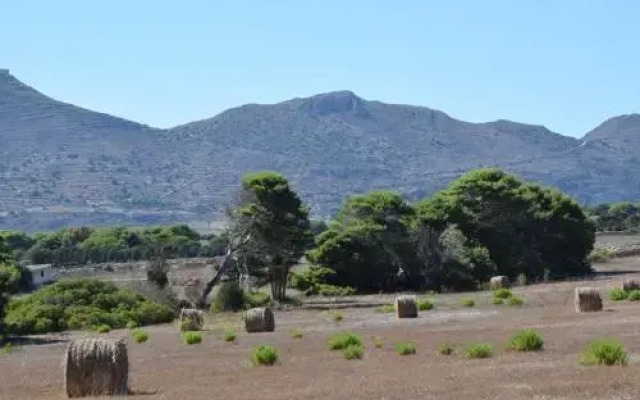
338,102
621,128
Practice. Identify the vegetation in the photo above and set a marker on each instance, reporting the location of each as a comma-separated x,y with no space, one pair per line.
618,217
497,301
311,281
406,348
618,294
296,333
479,350
604,352
81,304
525,340
139,336
601,255
104,328
515,301
378,343
634,295
353,352
425,305
132,325
264,355
343,340
385,309
467,302
445,349
190,337
230,297
337,316
229,336
502,294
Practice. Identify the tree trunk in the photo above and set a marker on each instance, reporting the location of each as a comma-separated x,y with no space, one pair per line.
279,276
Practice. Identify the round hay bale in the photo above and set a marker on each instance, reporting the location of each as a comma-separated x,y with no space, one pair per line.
406,307
191,319
499,282
96,367
259,320
588,299
630,284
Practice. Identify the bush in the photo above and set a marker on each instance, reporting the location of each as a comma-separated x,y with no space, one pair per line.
264,355
634,295
467,302
479,350
81,304
406,348
256,298
515,301
308,278
296,333
497,302
502,294
103,328
604,352
525,340
445,349
229,336
230,297
343,340
601,255
337,316
139,336
324,289
425,305
132,325
191,338
157,271
385,309
618,294
353,352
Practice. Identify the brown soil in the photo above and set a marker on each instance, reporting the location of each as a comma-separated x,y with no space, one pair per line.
165,368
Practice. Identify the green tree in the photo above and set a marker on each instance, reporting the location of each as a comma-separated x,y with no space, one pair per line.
525,227
276,222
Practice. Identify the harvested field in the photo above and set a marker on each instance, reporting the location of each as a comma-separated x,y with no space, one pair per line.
164,368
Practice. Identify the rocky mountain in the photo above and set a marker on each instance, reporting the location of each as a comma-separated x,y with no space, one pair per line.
61,164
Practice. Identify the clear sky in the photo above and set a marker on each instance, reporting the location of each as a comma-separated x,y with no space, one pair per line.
565,64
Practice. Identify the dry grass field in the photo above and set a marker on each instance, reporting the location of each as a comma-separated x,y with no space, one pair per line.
165,368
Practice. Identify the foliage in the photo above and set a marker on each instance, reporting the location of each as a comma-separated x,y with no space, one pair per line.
104,328
256,298
296,333
525,227
385,309
229,336
479,350
525,340
190,337
425,305
515,301
601,255
497,301
157,271
618,294
273,223
406,348
307,278
337,316
604,352
230,297
353,352
132,325
502,294
634,295
264,355
342,340
619,217
81,304
378,343
139,336
467,302
445,349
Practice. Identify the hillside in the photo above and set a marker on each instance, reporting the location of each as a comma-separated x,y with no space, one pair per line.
62,164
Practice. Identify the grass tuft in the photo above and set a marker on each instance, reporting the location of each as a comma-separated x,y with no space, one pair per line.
353,352
515,301
406,348
467,302
191,337
337,316
634,295
525,340
343,340
132,325
445,349
502,294
296,333
497,302
378,343
139,336
604,352
104,328
618,294
425,305
229,336
264,355
479,350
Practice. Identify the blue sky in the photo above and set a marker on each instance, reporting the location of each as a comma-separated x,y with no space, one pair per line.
565,64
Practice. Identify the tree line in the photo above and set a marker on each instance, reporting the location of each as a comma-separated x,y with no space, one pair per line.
616,217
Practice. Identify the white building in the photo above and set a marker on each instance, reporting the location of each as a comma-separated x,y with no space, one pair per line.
41,274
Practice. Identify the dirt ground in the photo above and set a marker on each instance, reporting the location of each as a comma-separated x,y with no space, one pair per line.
165,368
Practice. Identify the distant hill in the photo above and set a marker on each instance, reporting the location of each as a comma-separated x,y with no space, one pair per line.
61,164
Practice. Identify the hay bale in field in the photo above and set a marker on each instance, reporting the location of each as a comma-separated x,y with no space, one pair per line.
259,320
498,282
630,284
406,307
96,367
588,299
191,319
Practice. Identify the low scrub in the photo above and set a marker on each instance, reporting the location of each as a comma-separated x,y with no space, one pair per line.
445,349
191,338
525,340
497,302
601,255
353,352
467,302
132,325
479,350
406,348
502,294
103,328
378,343
634,295
264,355
296,333
425,305
229,336
604,352
139,336
256,298
82,304
343,340
618,294
337,316
515,301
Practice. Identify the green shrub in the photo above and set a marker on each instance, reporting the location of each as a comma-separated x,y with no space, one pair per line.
353,352
618,294
406,348
103,328
525,340
515,301
308,278
139,336
191,337
497,302
634,295
230,297
296,333
324,289
502,294
229,336
337,316
132,325
479,350
604,352
256,298
425,305
445,349
467,302
601,255
378,343
81,304
385,309
264,355
342,340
